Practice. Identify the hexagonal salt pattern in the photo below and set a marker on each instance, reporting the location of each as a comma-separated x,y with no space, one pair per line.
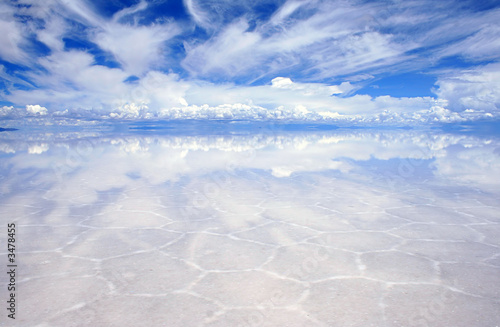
325,248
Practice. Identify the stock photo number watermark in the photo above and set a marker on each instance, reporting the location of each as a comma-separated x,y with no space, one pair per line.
11,270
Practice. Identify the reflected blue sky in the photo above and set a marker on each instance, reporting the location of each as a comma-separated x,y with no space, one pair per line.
162,152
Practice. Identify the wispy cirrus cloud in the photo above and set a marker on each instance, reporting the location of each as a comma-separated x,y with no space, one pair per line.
311,56
322,39
137,48
318,40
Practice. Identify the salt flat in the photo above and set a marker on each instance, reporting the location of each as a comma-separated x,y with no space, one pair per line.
317,228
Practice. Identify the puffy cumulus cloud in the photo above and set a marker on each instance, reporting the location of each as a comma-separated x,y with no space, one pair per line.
162,90
285,98
81,86
6,111
155,93
475,89
282,92
424,111
438,114
166,96
38,148
36,110
131,110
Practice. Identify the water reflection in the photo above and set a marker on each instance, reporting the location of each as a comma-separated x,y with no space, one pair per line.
262,227
110,161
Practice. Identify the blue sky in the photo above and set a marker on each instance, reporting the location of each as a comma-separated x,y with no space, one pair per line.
377,61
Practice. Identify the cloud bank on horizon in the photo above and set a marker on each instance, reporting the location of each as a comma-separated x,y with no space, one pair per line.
354,60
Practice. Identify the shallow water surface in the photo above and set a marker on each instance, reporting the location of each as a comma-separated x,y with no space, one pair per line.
271,227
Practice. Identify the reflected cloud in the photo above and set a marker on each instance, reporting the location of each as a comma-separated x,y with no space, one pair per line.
107,160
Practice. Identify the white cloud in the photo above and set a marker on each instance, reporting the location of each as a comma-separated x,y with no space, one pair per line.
6,111
286,10
70,78
468,163
128,11
155,93
472,35
196,13
335,40
225,54
38,148
358,52
166,90
130,111
53,32
137,48
80,11
341,43
310,89
315,97
474,88
212,14
482,45
166,96
36,110
11,37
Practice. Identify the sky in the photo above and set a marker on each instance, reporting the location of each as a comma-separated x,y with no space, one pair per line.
386,61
